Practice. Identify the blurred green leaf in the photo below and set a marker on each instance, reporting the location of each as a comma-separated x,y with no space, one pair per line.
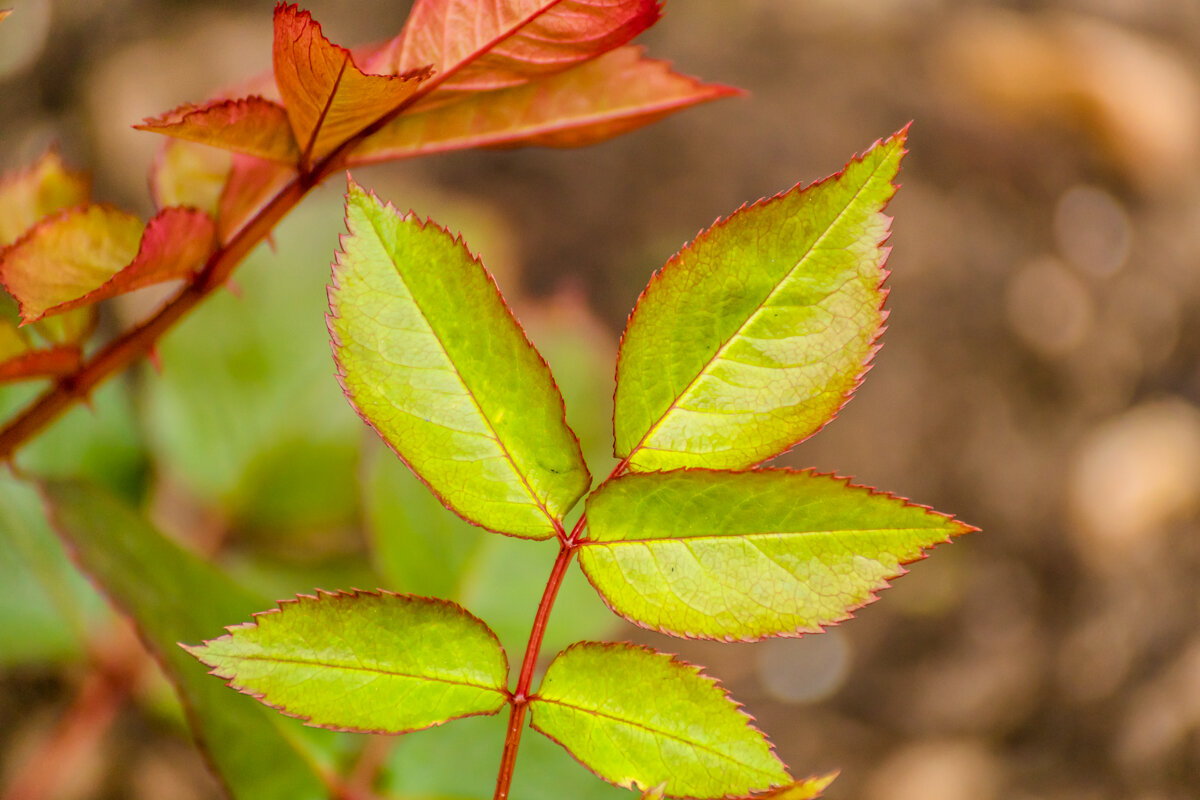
47,607
175,596
246,412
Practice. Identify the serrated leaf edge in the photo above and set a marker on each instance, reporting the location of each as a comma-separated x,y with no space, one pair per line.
696,670
321,595
336,343
963,528
874,344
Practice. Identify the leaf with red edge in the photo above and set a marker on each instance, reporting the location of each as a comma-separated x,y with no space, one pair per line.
68,255
615,93
175,243
807,789
635,716
758,331
252,125
740,556
85,255
496,44
34,193
328,99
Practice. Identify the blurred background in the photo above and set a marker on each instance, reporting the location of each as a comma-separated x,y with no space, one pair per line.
1040,379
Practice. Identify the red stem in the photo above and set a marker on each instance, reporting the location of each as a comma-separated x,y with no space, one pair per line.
520,699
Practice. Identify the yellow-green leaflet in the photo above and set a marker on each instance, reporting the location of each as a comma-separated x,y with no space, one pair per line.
745,555
755,334
433,360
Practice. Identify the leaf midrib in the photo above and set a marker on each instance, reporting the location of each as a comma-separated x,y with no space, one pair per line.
760,535
352,668
508,456
716,356
652,731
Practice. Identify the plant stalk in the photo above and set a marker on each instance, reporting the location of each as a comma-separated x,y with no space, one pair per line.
520,699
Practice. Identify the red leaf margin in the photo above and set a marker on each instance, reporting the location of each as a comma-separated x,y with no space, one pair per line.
875,345
963,528
341,596
696,670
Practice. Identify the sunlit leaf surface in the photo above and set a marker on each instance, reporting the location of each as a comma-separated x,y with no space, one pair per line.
755,334
252,125
432,358
382,663
638,718
744,555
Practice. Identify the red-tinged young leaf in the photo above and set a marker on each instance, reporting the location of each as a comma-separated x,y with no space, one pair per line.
328,99
175,243
588,103
188,174
251,184
807,789
373,663
740,556
4,12
67,256
431,357
638,718
755,334
33,194
496,44
251,125
46,363
173,595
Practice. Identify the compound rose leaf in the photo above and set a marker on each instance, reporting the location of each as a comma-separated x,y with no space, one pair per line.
740,556
366,662
252,125
432,358
754,335
640,718
328,99
591,102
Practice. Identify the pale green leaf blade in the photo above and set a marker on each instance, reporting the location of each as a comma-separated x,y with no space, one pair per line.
432,358
636,717
740,556
359,661
754,335
175,596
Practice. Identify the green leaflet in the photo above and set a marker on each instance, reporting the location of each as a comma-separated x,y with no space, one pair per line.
635,716
744,555
374,663
174,596
754,335
432,358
